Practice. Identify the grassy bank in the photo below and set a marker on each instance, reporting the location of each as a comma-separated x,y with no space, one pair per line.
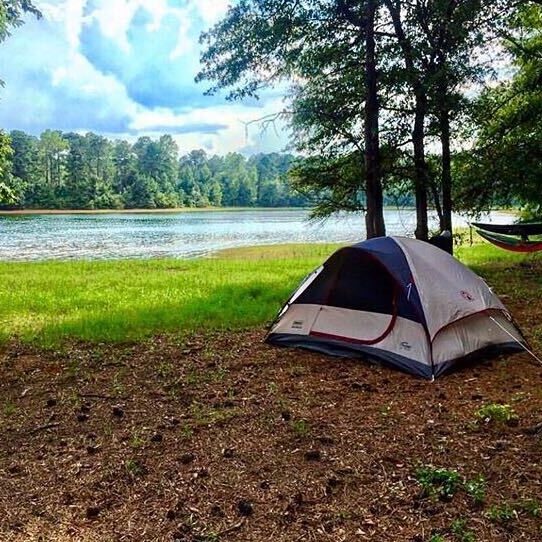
130,300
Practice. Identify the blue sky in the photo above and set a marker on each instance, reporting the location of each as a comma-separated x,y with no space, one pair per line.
125,68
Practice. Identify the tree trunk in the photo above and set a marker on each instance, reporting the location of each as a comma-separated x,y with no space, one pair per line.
418,132
444,121
420,168
374,217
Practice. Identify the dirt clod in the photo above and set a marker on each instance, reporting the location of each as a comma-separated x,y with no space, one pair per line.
313,455
245,508
93,512
187,458
118,411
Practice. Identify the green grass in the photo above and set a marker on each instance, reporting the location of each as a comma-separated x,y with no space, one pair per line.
48,302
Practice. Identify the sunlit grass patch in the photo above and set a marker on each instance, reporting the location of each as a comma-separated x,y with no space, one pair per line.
128,300
115,301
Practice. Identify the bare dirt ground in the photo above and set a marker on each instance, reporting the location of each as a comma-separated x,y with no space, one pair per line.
220,437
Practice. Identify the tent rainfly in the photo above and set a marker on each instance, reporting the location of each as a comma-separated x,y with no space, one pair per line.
399,301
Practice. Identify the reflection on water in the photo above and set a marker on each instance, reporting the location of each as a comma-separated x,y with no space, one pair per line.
179,235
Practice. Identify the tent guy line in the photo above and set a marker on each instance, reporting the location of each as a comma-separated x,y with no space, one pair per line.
523,345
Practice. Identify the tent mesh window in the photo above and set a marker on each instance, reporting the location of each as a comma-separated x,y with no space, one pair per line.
355,280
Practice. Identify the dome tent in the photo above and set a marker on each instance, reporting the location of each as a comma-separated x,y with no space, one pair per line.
400,301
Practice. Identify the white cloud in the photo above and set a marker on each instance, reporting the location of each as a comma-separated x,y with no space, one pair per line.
54,85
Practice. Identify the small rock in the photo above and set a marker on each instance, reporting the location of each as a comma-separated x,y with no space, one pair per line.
313,455
93,512
82,417
185,459
245,508
157,437
228,453
118,411
51,402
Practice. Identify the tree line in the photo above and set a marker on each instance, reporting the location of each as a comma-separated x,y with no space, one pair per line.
439,99
73,171
432,102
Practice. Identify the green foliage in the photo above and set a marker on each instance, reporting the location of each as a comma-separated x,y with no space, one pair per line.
134,468
11,15
505,165
476,489
124,300
531,507
7,192
73,171
460,531
503,513
301,428
9,409
496,413
507,512
440,483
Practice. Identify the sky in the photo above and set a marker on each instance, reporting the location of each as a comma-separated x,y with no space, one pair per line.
125,69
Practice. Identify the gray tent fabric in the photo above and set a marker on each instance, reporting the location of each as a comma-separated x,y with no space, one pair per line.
398,301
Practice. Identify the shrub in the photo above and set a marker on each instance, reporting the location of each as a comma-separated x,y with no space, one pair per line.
442,483
496,413
503,513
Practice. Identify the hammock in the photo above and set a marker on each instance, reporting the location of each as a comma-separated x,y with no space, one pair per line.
509,243
523,229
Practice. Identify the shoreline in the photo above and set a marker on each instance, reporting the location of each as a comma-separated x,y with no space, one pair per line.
176,210
179,210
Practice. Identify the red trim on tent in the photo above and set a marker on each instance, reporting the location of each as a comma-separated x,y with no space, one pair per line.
386,332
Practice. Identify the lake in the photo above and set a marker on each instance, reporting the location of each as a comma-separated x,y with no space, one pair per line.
180,234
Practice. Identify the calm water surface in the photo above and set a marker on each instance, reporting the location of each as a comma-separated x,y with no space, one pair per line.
179,235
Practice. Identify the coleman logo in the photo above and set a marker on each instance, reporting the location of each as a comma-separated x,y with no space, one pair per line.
466,295
406,346
297,324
